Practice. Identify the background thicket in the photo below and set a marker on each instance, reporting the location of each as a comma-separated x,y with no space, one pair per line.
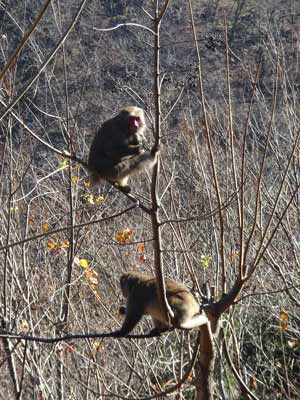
65,278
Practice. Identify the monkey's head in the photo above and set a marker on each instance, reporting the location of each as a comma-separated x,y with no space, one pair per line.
134,120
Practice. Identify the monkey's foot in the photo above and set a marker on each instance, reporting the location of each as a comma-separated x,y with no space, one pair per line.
123,188
126,188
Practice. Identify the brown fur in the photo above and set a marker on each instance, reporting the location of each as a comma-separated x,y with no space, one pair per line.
140,291
117,151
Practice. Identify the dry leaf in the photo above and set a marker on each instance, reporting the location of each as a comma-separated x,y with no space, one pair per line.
83,263
252,383
63,163
70,347
22,327
91,275
283,320
99,199
140,247
283,315
142,258
93,286
123,237
119,237
96,346
204,261
88,198
127,233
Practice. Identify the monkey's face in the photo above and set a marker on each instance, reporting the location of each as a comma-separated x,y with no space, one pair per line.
132,119
134,124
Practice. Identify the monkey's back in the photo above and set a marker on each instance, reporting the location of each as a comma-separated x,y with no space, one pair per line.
105,139
181,300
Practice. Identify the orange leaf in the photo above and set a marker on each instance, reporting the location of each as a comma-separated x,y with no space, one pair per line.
64,243
93,286
127,233
51,244
190,377
283,321
140,247
252,383
283,315
70,347
119,237
45,226
91,275
123,237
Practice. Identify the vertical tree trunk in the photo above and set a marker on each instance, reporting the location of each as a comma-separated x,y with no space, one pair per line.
204,368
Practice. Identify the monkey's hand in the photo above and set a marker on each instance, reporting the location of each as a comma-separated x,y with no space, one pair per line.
122,310
145,145
123,188
119,153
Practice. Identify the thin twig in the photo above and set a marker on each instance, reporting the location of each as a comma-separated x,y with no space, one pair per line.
210,149
45,63
155,219
65,228
25,39
235,372
124,24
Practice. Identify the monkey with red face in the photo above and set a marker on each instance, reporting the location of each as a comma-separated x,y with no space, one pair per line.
117,149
